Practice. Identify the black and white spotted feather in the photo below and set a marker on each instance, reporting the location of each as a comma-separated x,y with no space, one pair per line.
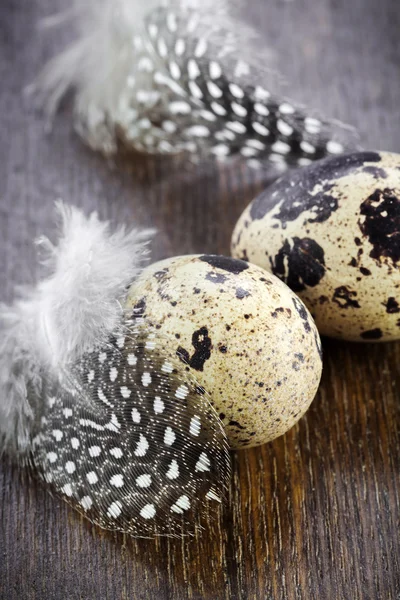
171,76
91,401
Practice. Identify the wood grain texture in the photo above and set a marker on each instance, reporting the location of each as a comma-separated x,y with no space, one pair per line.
313,515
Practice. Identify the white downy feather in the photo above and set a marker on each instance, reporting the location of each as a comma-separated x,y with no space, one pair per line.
70,312
96,64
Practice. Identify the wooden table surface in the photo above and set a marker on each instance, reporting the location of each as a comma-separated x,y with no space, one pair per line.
313,515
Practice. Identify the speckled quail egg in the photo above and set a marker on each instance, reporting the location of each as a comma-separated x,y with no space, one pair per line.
331,231
249,341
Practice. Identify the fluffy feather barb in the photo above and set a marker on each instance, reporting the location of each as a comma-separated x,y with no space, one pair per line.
20,373
97,64
70,312
90,268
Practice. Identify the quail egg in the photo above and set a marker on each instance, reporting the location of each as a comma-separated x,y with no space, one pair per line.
331,232
246,337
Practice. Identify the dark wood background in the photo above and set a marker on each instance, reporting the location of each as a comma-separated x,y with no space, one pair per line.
313,515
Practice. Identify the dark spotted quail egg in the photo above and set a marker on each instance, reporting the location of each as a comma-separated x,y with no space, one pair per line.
331,231
249,340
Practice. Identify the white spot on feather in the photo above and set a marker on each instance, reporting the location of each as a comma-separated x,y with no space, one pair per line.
181,392
286,108
114,510
95,451
86,502
125,392
195,90
180,47
169,127
92,477
167,367
255,144
334,147
193,69
148,511
304,162
162,47
158,405
198,131
208,115
236,127
261,109
260,128
195,425
284,128
173,471
281,147
218,109
203,464
52,457
146,379
174,70
312,125
169,436
183,503
238,109
215,70
67,489
143,480
116,452
248,152
214,89
307,147
58,435
220,150
135,414
213,496
142,446
179,107
201,48
132,360
117,480
236,90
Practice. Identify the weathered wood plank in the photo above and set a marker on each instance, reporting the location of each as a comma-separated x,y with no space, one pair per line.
314,514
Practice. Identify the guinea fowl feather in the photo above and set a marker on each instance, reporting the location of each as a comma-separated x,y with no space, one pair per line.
90,399
181,76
